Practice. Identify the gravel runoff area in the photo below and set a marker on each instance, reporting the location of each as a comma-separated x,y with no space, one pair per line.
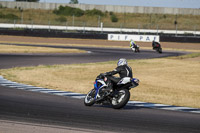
86,42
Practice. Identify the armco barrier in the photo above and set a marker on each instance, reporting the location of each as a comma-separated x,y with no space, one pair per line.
89,35
52,33
182,39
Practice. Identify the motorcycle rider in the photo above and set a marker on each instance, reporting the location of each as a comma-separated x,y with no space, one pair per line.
133,45
155,45
122,69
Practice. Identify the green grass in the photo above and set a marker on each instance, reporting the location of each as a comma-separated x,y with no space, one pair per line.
126,20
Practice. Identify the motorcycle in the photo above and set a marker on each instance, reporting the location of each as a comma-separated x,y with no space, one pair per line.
157,47
136,49
117,98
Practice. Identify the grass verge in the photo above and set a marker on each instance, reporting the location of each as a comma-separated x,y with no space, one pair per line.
187,56
167,81
29,49
143,47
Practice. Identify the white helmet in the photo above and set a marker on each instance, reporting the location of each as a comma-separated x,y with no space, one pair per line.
122,62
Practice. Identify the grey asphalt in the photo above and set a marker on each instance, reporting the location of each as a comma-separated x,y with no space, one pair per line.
26,106
96,55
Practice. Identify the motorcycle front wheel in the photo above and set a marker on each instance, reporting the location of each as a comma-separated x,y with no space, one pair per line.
120,99
90,98
160,50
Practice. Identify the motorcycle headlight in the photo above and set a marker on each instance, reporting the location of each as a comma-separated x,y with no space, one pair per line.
136,81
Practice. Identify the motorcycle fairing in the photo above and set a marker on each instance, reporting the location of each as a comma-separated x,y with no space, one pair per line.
124,80
135,81
97,88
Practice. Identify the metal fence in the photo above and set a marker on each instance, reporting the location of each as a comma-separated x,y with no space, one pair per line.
74,26
29,17
76,22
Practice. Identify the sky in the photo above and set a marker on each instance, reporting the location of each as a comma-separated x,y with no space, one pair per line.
151,3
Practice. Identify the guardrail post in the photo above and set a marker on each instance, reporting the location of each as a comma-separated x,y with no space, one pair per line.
73,20
66,25
31,25
99,21
101,27
49,26
83,27
121,28
195,30
22,16
14,23
157,29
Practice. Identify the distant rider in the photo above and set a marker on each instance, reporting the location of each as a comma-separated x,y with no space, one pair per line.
155,45
122,69
133,45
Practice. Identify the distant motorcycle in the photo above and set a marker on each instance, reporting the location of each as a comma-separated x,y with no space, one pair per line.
156,46
136,49
118,98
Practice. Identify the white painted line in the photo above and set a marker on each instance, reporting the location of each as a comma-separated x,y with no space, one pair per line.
160,105
6,82
52,91
32,87
73,94
41,90
60,94
20,88
195,111
136,102
79,97
14,86
177,108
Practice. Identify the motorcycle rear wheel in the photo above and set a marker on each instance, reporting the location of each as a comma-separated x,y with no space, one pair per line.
121,99
90,98
137,50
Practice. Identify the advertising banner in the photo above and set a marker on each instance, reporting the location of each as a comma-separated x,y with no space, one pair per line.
128,37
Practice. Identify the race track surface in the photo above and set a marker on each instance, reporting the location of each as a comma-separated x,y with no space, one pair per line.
26,106
94,55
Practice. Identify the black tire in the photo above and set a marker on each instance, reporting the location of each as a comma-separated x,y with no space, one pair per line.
160,50
90,98
138,50
121,99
